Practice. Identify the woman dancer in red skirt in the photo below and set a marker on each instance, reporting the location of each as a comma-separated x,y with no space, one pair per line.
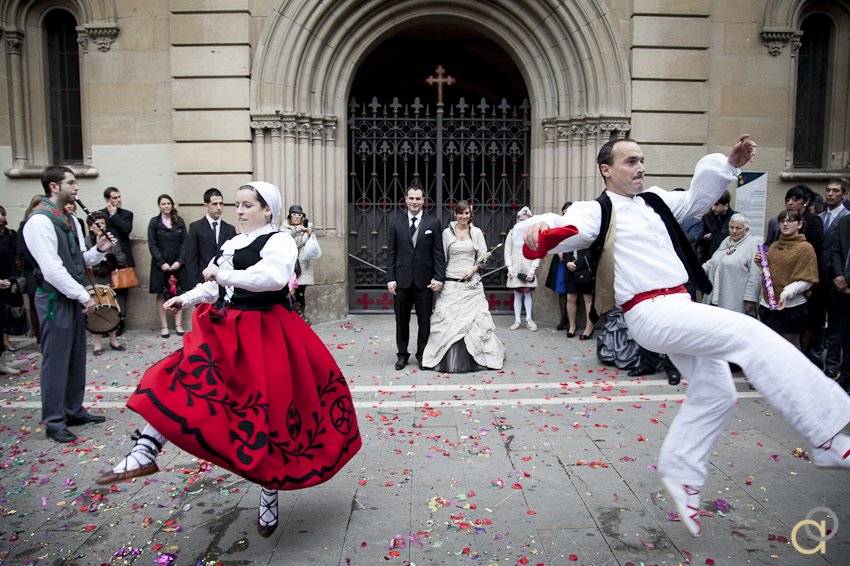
253,389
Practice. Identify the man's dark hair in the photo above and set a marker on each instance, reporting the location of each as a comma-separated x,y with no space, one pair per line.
606,153
53,174
414,186
566,205
107,192
841,182
725,198
210,193
800,192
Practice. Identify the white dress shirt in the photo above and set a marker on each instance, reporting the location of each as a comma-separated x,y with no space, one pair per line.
644,256
40,237
271,273
215,226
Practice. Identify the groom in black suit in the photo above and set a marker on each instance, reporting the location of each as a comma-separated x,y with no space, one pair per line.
206,236
415,270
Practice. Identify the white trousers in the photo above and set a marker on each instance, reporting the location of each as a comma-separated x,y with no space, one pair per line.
700,339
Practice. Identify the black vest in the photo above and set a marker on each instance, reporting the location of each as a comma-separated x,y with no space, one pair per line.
68,250
696,274
250,300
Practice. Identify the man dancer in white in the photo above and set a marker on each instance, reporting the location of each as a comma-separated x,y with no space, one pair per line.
700,339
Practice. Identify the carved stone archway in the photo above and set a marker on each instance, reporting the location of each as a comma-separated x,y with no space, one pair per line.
308,53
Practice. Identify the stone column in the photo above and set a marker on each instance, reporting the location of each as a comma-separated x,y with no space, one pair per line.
259,151
302,136
546,178
563,170
334,192
318,194
289,170
15,47
276,176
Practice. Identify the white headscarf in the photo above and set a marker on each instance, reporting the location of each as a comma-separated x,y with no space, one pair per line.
524,210
270,194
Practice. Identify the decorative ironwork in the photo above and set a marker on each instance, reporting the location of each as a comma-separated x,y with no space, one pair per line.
485,157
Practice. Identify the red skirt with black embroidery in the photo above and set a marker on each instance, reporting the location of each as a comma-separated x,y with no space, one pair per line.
257,393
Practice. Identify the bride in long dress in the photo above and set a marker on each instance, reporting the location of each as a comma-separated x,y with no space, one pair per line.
463,336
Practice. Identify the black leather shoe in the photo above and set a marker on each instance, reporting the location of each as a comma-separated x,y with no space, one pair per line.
673,376
84,419
62,435
641,370
401,361
831,373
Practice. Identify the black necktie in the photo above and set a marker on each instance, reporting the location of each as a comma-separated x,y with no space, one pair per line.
215,231
412,228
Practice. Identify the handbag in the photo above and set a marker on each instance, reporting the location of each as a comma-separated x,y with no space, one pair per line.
124,278
14,314
584,275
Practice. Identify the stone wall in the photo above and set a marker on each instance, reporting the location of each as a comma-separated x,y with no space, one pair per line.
182,95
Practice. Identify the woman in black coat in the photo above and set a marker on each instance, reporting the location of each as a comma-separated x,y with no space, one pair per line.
166,236
8,275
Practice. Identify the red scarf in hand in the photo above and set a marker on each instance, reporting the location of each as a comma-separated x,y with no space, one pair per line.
547,240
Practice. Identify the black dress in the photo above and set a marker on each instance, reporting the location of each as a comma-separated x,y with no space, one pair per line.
166,246
572,285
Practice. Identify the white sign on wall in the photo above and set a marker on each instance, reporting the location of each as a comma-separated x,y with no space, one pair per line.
751,200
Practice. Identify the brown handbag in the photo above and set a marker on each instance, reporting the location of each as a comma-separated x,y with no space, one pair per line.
124,278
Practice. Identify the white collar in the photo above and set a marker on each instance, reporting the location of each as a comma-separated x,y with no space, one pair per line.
418,217
210,220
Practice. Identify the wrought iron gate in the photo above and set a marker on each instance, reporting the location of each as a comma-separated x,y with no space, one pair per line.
483,153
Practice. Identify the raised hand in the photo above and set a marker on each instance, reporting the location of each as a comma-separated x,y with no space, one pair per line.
743,152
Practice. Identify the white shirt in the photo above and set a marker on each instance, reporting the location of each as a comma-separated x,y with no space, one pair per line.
271,273
644,256
215,226
40,237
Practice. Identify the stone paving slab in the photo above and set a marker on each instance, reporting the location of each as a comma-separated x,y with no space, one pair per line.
550,461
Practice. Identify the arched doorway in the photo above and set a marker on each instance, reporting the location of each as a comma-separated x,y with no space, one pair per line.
307,59
475,147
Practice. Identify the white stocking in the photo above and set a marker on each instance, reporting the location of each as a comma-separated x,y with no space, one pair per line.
148,445
527,301
517,305
268,507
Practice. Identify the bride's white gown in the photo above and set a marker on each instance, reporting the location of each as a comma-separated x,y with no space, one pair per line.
462,314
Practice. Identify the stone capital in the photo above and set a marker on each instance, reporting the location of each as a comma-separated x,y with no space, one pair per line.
776,39
103,36
14,42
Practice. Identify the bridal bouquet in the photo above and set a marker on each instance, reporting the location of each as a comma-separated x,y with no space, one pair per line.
485,257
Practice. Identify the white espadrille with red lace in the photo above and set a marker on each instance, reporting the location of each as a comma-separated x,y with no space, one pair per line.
834,453
686,500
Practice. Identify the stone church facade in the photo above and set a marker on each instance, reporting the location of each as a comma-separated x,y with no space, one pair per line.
176,96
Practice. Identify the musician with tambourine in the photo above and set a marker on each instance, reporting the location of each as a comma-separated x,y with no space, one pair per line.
62,301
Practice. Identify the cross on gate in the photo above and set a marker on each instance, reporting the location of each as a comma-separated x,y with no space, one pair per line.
364,301
440,80
386,301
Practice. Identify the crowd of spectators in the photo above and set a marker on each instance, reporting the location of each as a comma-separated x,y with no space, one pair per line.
179,253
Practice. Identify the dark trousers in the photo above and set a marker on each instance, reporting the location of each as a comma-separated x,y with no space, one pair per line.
832,335
843,337
63,365
423,299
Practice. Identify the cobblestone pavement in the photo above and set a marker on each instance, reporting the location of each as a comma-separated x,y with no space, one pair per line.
550,461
